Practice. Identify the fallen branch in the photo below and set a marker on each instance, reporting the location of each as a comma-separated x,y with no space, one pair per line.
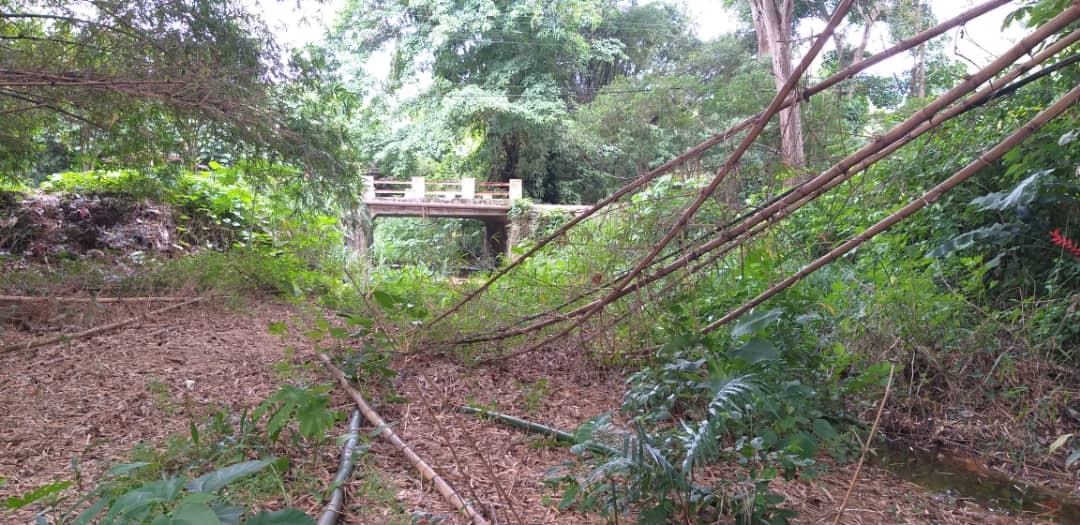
866,445
426,471
50,299
535,428
34,343
337,499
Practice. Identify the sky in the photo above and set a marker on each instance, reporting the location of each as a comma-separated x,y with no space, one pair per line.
298,22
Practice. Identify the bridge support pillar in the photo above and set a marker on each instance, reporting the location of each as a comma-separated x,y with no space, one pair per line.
496,239
360,233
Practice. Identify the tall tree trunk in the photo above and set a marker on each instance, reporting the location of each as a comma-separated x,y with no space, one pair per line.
918,76
868,26
774,22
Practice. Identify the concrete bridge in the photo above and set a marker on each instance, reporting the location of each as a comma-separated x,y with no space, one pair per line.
487,202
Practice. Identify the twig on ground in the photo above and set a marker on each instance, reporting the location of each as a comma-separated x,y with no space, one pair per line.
536,428
866,445
34,343
426,471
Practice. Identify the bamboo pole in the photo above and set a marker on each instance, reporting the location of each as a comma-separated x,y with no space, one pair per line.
704,146
926,114
93,331
982,97
922,121
536,428
1065,102
102,300
426,471
345,467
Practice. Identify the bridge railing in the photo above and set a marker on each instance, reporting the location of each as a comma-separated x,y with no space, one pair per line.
418,188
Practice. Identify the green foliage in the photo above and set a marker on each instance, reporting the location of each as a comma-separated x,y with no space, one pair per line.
175,500
105,82
309,407
440,244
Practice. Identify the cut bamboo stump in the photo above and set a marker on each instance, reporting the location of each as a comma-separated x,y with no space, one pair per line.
34,343
426,471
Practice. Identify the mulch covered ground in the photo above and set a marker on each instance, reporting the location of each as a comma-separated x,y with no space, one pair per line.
96,398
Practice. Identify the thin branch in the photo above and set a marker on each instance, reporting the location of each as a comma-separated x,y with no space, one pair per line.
34,343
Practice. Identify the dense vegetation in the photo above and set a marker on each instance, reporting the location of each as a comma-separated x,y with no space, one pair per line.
192,105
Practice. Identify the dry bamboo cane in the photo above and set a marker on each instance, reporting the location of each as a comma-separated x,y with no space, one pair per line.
980,97
93,331
926,114
697,150
426,471
780,100
925,119
332,510
928,198
736,155
103,300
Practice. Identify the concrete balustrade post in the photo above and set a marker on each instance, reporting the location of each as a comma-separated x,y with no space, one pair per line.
369,186
468,188
417,190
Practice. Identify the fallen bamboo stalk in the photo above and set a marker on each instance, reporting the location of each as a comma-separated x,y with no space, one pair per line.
922,121
535,428
1067,101
50,299
753,223
926,115
34,343
337,498
388,434
701,148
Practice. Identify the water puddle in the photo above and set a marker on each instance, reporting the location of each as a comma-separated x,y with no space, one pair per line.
967,479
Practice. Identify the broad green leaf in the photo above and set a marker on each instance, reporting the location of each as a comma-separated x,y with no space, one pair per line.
356,320
278,328
824,430
339,333
385,300
977,236
194,514
126,467
280,517
140,499
214,481
90,513
18,502
756,350
756,321
228,514
1019,196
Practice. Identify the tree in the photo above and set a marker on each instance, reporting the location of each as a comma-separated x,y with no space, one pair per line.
506,75
145,80
773,26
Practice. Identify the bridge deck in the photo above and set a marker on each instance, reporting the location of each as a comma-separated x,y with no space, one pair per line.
456,208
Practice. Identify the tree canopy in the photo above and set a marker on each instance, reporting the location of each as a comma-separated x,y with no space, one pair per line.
105,79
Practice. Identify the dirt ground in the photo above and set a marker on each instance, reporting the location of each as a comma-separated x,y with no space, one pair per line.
98,397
